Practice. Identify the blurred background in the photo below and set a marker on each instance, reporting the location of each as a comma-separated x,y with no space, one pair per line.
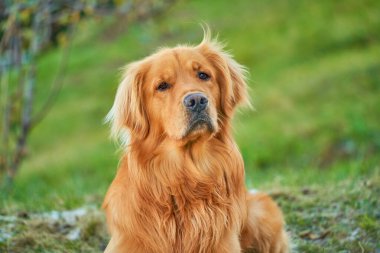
312,142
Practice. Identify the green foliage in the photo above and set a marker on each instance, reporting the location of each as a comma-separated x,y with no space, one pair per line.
27,29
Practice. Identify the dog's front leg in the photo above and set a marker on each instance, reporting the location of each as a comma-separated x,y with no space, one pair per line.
230,244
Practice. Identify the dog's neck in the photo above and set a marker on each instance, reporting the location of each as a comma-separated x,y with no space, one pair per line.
169,162
166,148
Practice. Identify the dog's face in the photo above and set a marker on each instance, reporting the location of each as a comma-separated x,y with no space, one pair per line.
182,93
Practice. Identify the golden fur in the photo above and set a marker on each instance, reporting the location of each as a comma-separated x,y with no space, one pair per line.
179,189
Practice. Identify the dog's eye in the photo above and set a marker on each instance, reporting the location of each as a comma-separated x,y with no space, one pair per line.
203,76
163,86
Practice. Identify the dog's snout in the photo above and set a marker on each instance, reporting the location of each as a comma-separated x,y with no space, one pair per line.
195,102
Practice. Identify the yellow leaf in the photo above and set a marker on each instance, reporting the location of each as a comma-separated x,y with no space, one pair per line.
25,15
75,17
62,39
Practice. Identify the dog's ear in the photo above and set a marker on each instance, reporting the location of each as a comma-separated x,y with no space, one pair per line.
128,111
231,75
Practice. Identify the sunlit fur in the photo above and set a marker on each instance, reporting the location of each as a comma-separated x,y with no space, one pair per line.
184,192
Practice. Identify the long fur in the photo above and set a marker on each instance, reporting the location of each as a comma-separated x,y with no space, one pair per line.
185,195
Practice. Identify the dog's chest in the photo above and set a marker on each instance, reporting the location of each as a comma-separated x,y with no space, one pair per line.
195,216
192,206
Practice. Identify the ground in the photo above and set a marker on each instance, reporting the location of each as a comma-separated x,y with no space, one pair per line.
313,140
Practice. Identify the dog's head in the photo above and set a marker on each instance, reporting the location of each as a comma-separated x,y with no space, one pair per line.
182,93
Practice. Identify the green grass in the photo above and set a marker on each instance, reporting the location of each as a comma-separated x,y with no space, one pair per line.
315,85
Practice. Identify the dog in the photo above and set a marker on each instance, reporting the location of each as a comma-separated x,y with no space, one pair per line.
180,183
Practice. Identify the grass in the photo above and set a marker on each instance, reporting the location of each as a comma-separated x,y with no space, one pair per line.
313,139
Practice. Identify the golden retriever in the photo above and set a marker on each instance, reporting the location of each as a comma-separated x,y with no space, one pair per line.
180,183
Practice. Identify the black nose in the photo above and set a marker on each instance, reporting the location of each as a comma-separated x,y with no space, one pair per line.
195,102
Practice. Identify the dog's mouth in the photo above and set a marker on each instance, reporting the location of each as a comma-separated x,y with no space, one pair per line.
198,123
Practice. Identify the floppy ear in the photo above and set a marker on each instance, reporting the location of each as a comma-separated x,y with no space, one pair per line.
231,75
128,111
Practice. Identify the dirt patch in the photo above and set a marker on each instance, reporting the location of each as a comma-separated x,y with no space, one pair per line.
79,230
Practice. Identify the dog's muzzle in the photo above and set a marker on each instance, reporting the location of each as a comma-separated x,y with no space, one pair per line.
196,105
